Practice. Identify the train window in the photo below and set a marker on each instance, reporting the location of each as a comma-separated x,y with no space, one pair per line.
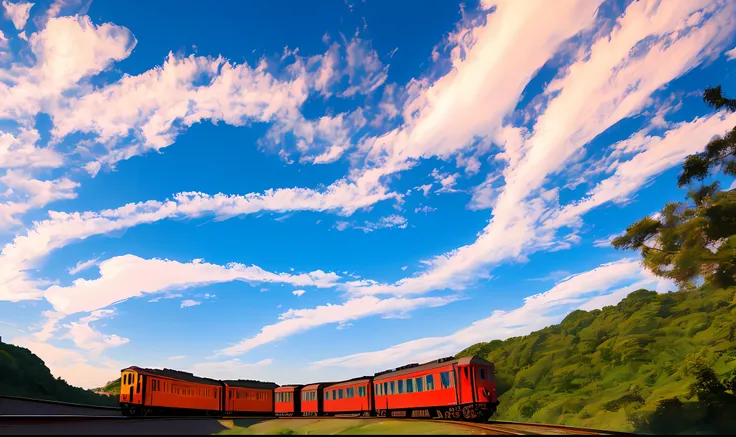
410,385
401,386
327,395
482,373
445,381
430,382
392,386
350,393
334,395
314,395
418,383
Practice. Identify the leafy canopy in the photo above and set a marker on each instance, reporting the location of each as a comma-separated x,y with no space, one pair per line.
696,238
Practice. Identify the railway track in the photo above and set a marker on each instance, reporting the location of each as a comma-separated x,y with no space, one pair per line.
501,428
24,411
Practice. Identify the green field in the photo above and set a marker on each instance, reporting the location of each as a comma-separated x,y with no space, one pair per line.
341,426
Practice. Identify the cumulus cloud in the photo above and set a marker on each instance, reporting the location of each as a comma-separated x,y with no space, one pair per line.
86,337
67,50
20,151
298,293
18,12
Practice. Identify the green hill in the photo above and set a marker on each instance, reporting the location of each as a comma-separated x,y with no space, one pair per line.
627,367
24,374
112,387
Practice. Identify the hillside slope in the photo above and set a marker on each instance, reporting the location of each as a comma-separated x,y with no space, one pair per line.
610,368
22,373
112,387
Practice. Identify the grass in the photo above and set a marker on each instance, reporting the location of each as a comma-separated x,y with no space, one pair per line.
341,426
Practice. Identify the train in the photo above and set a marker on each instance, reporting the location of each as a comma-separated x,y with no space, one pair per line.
447,388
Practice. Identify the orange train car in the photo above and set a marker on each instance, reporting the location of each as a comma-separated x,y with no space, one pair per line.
351,397
313,399
147,392
448,388
249,398
287,400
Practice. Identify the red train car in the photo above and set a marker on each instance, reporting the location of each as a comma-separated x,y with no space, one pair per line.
351,397
249,398
287,401
313,399
447,388
146,392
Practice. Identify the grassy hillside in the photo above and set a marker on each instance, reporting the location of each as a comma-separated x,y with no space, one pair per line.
627,367
24,374
112,387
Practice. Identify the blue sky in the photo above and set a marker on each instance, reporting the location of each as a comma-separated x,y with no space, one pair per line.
281,191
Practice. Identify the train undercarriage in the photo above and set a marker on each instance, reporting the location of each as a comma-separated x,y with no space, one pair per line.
469,412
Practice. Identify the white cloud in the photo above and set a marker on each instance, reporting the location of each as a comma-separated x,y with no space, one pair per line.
603,85
731,54
18,12
31,193
447,180
82,265
425,209
71,365
189,303
230,369
178,357
592,288
86,337
656,154
40,193
295,321
63,228
298,293
20,152
127,276
424,189
391,221
67,50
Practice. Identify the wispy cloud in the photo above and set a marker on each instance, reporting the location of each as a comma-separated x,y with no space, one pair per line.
189,303
83,265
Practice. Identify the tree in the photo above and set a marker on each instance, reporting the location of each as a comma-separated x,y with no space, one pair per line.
696,238
720,152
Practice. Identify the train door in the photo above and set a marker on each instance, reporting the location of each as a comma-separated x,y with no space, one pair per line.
465,385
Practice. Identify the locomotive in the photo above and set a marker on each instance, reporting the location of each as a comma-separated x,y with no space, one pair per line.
448,388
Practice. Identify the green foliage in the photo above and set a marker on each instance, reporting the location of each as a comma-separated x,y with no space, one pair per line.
620,367
689,240
112,387
719,152
24,374
696,238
